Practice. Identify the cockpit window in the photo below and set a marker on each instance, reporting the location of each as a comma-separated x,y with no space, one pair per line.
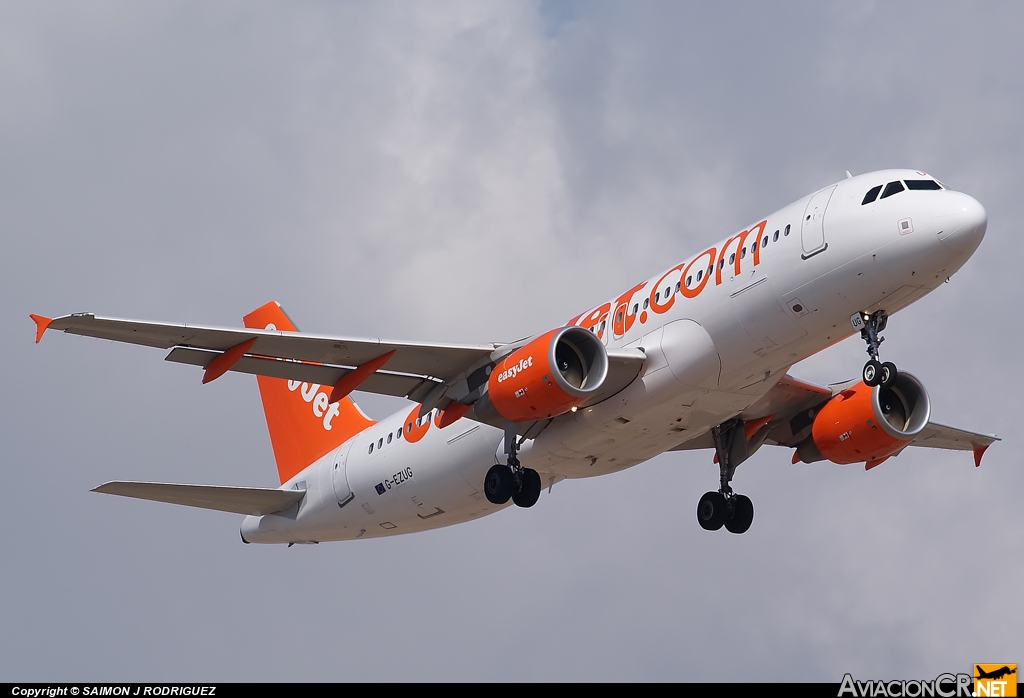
892,188
913,184
871,195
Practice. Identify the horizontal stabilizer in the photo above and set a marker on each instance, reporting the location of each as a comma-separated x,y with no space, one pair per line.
255,501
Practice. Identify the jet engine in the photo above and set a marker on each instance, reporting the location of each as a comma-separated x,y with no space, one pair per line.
867,425
550,375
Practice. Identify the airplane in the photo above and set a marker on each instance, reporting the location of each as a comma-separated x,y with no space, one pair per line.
695,357
996,674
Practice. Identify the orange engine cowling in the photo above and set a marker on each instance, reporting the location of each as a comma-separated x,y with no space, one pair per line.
867,425
555,372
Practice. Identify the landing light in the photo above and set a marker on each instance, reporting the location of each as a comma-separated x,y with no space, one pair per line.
573,408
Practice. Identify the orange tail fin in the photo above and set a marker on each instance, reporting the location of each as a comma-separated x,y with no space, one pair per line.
303,424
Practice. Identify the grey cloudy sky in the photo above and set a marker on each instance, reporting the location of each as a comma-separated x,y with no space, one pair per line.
474,172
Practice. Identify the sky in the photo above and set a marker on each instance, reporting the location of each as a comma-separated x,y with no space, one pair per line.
474,172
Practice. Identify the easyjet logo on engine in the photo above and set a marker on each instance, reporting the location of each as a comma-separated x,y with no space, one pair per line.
511,371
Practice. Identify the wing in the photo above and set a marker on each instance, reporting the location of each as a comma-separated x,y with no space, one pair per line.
941,436
428,373
255,501
786,409
786,413
413,370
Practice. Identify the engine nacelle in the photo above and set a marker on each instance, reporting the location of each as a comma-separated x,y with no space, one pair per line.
862,424
555,372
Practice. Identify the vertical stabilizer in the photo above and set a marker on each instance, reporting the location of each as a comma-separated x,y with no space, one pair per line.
303,424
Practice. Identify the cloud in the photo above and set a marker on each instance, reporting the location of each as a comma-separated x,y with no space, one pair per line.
476,172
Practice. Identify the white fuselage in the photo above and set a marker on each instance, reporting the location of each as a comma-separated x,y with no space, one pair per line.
714,346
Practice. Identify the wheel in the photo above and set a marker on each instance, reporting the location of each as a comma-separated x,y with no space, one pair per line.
889,374
742,516
872,373
529,493
711,511
498,484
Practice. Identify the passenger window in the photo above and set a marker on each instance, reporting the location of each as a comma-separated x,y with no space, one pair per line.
721,263
389,437
689,280
677,286
657,297
635,308
711,268
786,234
668,291
646,303
700,275
743,253
371,449
618,318
732,258
604,323
892,188
764,242
380,444
753,246
398,434
775,237
921,184
871,195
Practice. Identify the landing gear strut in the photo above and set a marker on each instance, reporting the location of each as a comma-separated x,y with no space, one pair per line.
725,507
875,372
512,480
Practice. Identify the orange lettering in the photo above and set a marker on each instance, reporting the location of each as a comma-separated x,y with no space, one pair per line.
670,298
742,237
692,292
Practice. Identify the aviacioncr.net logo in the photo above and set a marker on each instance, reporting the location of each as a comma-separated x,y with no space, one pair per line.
943,686
995,680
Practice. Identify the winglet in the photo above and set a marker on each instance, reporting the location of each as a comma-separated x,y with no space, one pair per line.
354,378
42,323
223,363
979,451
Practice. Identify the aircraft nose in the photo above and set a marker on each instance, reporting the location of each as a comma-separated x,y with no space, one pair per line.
965,227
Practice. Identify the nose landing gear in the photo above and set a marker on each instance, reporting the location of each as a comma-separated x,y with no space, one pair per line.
875,372
725,507
512,481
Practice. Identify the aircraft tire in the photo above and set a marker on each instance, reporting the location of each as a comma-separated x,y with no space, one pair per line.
743,515
889,374
872,373
711,511
529,493
499,484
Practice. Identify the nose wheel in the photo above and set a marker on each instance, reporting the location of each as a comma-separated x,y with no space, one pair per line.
875,372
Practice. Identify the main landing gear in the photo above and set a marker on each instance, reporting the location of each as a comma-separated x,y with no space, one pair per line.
875,372
725,507
512,481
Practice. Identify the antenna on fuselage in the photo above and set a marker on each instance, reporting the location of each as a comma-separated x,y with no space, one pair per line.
848,175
